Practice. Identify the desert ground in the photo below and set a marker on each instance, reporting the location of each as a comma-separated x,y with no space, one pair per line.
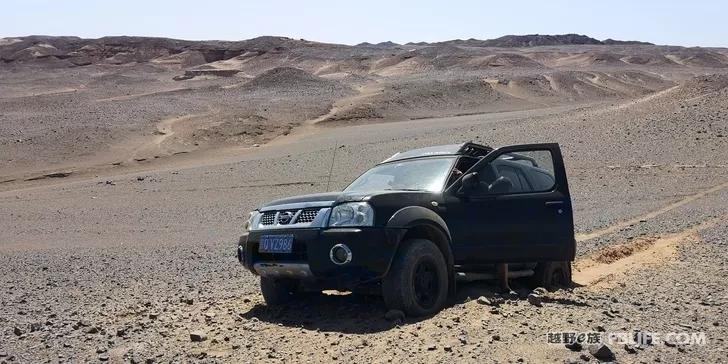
129,165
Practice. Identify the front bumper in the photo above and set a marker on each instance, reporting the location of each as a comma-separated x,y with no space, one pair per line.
372,248
283,269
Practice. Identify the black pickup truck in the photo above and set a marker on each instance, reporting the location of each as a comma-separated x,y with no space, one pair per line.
416,223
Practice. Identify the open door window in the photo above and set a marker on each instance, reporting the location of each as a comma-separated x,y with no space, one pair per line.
519,169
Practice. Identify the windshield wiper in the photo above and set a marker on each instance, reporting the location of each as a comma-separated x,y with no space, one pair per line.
404,189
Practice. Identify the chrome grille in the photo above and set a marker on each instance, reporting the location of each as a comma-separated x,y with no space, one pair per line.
303,216
307,215
268,218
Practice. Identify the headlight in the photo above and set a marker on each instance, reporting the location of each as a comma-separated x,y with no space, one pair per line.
249,222
352,214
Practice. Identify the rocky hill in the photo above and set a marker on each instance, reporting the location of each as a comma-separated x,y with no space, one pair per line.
530,40
69,100
75,51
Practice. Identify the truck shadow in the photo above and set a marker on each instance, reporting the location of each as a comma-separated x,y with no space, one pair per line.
361,314
342,313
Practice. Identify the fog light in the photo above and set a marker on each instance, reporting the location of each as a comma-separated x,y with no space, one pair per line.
340,254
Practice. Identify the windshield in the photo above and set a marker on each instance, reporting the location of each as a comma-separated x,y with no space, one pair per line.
418,175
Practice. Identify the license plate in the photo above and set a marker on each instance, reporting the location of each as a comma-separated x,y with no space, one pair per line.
276,244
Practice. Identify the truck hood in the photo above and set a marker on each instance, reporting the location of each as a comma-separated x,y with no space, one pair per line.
334,198
321,199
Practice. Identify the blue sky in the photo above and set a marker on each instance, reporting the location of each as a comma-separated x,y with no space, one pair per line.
688,23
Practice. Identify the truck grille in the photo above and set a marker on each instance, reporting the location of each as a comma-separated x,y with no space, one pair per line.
268,218
303,216
307,215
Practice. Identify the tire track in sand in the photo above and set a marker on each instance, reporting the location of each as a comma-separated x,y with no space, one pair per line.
611,265
165,130
650,215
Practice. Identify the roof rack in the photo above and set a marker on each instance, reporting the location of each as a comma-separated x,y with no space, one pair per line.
474,149
470,149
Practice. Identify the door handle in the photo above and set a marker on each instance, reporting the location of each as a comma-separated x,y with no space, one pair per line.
554,203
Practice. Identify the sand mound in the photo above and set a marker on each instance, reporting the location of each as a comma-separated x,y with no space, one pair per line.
643,79
648,59
290,78
706,59
208,70
41,50
418,60
121,58
630,83
526,87
575,85
581,86
505,60
449,57
9,41
182,60
246,130
435,94
356,112
697,57
79,59
424,97
612,254
589,59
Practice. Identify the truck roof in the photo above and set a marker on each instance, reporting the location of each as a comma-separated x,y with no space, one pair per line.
469,148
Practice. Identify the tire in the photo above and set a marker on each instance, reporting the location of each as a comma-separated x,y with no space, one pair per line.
277,291
417,282
552,275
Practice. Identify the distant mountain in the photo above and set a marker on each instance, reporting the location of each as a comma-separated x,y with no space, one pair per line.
418,43
534,40
531,40
386,44
540,40
610,41
75,51
124,49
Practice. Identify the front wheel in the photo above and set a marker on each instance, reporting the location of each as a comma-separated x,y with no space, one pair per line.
552,275
417,282
277,291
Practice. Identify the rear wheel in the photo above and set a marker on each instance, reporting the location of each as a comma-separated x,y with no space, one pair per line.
552,275
277,291
417,282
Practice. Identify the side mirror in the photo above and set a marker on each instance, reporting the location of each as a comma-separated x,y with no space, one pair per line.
468,184
501,185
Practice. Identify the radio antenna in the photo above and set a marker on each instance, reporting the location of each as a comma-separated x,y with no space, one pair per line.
331,168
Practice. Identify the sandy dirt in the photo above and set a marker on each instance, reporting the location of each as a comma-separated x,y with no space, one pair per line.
123,192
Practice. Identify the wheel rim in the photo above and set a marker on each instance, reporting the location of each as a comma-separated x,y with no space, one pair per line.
426,284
